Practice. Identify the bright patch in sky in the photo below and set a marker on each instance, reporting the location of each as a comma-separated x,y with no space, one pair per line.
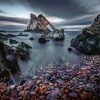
55,19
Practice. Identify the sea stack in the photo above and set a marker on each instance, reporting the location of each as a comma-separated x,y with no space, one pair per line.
38,24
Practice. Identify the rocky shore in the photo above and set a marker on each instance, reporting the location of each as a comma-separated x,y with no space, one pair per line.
57,82
89,40
9,55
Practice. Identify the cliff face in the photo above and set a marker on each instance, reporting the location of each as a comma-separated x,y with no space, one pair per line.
94,29
89,40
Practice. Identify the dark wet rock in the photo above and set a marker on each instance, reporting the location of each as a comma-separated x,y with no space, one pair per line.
25,45
97,79
12,41
97,88
42,40
69,49
21,34
59,39
38,24
89,40
11,35
8,61
59,35
23,51
4,37
22,82
31,38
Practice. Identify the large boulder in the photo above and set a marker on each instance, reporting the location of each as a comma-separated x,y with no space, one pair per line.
89,40
8,62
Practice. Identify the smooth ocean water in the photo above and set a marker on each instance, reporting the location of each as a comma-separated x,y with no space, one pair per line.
51,52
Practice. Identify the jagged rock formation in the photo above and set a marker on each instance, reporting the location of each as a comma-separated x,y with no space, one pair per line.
33,22
94,29
89,40
39,23
10,54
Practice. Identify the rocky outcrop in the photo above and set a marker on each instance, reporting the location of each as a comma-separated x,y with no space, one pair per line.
12,41
39,24
8,62
10,54
89,40
21,34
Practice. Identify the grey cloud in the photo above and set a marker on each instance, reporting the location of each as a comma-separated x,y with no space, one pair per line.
12,28
62,8
70,10
12,19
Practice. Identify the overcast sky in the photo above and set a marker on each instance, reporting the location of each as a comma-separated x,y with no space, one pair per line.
68,14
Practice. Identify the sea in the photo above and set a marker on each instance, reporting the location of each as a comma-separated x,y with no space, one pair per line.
49,53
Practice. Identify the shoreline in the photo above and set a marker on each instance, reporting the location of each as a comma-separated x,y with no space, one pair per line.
60,82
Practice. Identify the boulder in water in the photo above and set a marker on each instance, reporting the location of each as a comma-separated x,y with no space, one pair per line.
31,38
12,41
21,34
69,49
42,40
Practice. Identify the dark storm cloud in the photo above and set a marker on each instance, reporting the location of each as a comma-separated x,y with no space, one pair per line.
61,8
